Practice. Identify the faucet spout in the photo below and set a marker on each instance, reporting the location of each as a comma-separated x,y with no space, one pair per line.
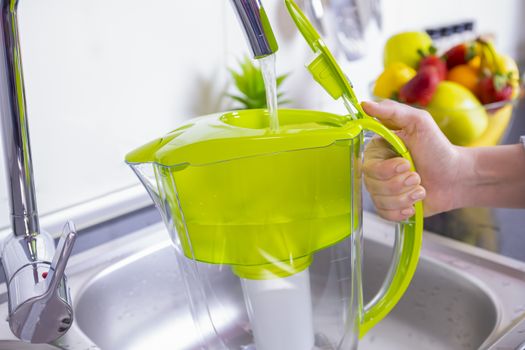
256,26
39,309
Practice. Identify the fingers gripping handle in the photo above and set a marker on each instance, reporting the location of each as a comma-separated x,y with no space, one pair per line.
408,244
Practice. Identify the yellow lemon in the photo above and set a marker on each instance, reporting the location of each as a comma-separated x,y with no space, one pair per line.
392,79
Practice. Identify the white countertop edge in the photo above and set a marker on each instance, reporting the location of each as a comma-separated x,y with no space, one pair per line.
94,211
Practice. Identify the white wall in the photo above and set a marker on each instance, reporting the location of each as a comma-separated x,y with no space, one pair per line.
105,76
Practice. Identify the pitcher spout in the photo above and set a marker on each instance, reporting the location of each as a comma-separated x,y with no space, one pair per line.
147,176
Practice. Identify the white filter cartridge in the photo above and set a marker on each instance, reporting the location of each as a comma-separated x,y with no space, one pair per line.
280,312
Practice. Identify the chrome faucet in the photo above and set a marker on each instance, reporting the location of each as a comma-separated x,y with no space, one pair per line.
256,27
39,303
40,308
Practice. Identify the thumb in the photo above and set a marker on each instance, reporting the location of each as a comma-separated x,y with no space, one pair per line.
379,149
397,116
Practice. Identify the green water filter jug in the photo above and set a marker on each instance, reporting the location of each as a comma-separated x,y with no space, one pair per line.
267,226
282,213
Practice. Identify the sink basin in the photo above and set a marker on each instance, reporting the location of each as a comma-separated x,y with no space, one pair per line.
145,309
442,309
141,302
129,295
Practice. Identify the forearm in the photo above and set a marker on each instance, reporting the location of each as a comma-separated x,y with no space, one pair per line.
491,177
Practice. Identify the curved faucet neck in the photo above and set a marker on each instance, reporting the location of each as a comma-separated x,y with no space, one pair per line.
13,113
256,27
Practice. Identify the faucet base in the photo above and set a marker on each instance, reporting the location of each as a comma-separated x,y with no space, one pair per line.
39,302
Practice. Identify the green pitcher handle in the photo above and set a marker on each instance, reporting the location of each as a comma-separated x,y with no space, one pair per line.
327,72
410,234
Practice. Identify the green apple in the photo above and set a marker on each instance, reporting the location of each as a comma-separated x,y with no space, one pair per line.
458,113
403,47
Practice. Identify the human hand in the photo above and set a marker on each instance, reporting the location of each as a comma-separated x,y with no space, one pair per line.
393,187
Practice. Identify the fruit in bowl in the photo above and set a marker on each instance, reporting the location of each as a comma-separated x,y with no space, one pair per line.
404,47
458,113
393,78
469,89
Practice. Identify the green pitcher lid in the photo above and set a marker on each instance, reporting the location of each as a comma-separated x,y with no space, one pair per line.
239,134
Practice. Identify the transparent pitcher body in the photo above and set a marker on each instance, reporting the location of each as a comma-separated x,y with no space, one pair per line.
267,228
267,246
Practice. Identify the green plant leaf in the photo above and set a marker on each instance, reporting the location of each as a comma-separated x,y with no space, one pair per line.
281,79
243,101
249,82
240,82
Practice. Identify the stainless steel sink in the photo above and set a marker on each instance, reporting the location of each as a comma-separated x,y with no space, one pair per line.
129,296
442,309
141,300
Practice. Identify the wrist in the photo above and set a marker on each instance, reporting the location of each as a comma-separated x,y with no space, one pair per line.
490,177
466,177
